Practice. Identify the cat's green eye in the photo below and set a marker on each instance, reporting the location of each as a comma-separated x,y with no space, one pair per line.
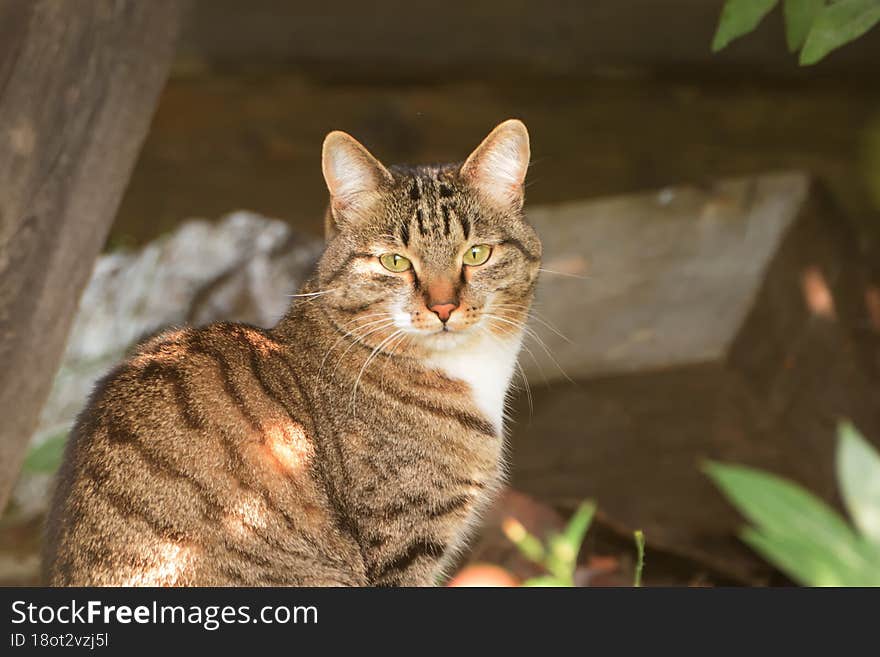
477,255
394,262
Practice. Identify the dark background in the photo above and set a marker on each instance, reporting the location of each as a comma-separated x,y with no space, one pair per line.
619,96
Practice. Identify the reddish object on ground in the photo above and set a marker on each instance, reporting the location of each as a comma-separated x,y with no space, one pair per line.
484,574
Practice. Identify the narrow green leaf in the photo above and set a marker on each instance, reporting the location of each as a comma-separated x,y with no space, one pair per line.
809,564
838,24
530,547
739,17
640,557
46,457
565,547
784,508
578,525
858,472
799,17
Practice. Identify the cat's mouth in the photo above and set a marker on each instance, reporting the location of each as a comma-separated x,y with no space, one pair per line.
446,338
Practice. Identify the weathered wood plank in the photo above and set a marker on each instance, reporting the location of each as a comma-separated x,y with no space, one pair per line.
78,86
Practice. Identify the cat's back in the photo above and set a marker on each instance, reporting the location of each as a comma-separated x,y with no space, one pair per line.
193,463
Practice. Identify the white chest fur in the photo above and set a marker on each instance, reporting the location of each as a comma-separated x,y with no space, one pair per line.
486,365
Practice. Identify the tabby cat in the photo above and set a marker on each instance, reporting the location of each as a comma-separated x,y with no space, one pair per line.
357,441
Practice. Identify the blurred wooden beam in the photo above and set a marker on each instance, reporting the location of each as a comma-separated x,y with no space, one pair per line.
422,40
79,82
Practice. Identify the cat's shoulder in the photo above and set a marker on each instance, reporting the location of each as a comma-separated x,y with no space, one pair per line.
178,345
175,354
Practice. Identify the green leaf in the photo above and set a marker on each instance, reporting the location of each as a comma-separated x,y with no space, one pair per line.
46,457
810,564
796,520
545,580
858,473
799,17
739,17
838,24
577,527
562,556
640,557
529,546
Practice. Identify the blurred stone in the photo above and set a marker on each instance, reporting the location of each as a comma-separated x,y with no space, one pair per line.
707,323
240,268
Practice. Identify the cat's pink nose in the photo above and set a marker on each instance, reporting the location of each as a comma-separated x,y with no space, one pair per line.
443,310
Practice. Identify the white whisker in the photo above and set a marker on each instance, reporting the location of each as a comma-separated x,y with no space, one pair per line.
390,352
380,325
562,273
525,348
533,314
350,333
529,332
383,324
370,358
314,294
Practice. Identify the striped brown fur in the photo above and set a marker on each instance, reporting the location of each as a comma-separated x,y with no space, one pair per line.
337,448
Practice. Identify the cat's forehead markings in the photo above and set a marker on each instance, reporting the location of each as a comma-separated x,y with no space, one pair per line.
404,232
420,220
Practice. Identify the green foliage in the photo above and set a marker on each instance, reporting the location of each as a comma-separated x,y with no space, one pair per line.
802,535
838,24
46,457
799,17
640,557
739,17
559,555
815,27
858,471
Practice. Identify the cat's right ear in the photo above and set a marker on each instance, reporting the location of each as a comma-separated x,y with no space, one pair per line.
354,178
498,166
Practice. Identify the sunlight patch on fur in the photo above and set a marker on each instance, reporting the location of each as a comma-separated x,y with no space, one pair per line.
165,565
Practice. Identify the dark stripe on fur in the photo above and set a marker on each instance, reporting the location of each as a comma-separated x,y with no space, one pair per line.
345,265
465,224
418,549
129,508
171,375
449,506
228,378
531,257
472,422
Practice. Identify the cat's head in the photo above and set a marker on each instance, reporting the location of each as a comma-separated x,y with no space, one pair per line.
428,257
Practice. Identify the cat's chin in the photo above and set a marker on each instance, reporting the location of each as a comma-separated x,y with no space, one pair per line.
445,340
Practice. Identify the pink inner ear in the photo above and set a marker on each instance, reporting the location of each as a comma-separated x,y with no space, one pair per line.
348,173
498,166
500,173
349,169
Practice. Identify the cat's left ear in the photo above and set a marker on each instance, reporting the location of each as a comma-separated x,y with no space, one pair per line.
353,176
498,166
